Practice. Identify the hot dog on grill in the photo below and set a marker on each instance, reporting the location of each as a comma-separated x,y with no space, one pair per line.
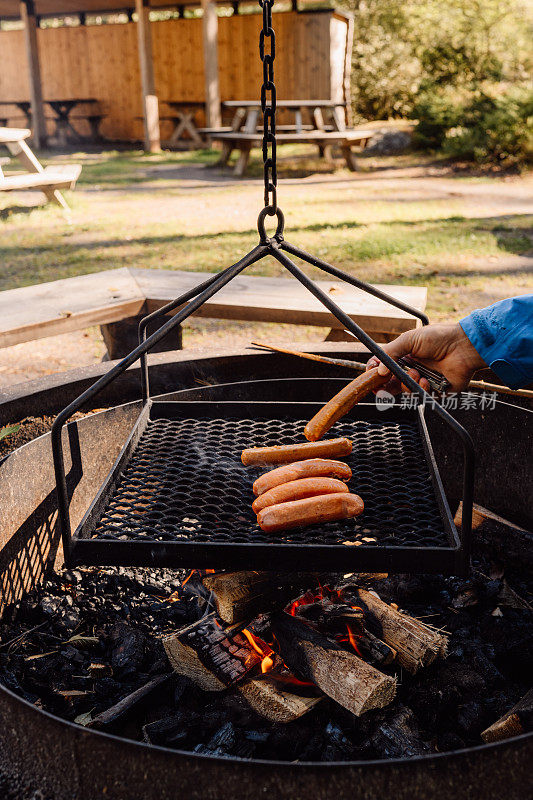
312,510
297,490
311,468
286,453
343,402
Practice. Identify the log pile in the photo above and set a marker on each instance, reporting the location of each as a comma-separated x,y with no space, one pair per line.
281,650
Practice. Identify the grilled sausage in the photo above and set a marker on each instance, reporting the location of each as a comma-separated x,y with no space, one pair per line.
297,490
343,402
311,468
312,510
286,453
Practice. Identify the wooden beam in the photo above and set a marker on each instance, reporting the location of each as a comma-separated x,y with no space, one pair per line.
27,13
152,138
212,88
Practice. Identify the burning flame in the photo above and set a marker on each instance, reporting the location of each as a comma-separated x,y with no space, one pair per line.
199,572
262,649
336,596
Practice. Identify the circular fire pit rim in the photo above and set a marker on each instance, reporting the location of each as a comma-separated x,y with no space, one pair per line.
484,747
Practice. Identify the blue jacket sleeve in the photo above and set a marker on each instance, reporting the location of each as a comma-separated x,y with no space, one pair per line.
503,336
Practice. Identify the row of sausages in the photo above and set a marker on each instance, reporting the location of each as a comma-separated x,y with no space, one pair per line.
309,489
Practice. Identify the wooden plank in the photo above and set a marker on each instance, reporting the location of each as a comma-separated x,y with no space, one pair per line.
27,13
210,49
13,134
284,300
48,177
47,309
152,139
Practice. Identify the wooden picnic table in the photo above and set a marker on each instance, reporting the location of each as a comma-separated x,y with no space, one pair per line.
243,134
62,110
24,107
64,129
183,117
49,180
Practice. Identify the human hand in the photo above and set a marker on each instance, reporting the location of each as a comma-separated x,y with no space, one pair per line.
441,347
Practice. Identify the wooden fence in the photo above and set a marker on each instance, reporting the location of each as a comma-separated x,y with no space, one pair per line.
101,62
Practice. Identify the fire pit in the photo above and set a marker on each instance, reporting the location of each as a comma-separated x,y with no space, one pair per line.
170,734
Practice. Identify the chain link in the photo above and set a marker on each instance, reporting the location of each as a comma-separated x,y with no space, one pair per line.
268,106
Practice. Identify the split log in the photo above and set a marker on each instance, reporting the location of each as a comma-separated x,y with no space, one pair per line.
519,719
341,675
185,661
508,541
240,596
264,695
274,702
130,704
417,644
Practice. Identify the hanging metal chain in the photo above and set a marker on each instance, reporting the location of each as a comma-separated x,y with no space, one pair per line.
268,106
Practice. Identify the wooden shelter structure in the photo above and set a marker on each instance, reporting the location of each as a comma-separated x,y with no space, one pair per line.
157,60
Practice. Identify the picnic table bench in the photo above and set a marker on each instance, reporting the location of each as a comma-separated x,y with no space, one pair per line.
115,299
49,180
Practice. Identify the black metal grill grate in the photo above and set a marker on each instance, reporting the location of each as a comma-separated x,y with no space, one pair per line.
184,482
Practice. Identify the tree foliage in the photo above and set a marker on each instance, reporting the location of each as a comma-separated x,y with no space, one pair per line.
462,68
404,47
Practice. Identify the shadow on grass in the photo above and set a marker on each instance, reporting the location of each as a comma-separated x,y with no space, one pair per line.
24,264
10,211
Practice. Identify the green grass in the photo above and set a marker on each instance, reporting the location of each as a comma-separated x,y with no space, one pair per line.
163,212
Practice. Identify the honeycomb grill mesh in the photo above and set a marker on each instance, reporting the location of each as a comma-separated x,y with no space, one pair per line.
185,482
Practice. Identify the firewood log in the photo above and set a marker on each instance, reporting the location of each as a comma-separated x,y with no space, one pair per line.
417,645
509,541
341,675
519,719
275,702
240,596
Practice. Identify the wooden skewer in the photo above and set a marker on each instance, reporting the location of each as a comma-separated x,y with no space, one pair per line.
359,366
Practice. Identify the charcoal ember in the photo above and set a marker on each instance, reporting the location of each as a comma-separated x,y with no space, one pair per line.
470,718
338,747
221,742
169,731
73,576
129,647
287,742
449,741
458,678
50,605
398,736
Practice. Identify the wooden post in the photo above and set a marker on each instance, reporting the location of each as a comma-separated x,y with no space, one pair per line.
152,139
212,88
347,79
27,13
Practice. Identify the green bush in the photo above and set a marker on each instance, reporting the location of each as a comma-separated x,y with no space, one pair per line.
479,126
436,111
